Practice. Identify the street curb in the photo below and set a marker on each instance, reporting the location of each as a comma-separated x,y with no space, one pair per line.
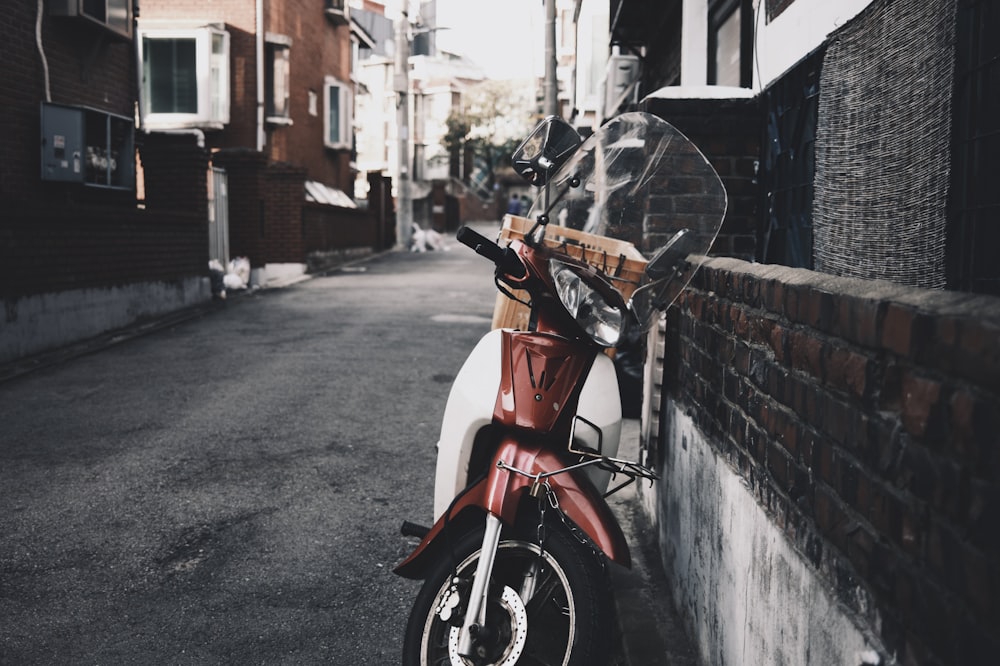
47,359
20,367
651,633
26,365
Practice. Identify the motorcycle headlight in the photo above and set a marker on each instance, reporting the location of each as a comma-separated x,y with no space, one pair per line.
601,320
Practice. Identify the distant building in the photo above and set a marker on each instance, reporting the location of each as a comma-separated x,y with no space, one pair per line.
436,81
273,78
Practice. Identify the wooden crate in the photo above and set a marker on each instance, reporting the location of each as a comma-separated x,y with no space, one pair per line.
619,260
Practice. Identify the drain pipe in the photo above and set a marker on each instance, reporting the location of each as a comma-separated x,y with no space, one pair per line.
140,103
260,74
41,49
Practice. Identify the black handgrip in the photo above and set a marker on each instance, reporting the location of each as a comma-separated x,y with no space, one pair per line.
504,258
414,530
481,244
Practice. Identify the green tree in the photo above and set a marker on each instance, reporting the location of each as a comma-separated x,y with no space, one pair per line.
494,118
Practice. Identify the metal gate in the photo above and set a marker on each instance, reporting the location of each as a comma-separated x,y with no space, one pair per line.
218,216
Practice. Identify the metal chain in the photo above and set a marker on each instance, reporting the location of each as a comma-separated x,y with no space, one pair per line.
553,501
540,530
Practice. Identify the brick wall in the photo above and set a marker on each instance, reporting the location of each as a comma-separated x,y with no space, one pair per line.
330,230
83,70
270,221
863,417
76,261
55,248
727,132
74,241
319,49
265,207
284,198
175,170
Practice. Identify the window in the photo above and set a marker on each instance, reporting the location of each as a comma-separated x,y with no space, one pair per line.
276,79
730,39
185,77
338,120
567,32
112,15
727,51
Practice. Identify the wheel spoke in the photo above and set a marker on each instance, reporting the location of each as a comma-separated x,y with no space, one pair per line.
543,592
552,611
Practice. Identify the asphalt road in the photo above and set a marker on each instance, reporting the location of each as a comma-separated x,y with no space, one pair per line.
228,490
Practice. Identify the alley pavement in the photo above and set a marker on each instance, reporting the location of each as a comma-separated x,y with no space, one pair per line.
225,484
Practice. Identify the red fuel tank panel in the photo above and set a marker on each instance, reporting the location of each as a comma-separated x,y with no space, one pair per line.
541,377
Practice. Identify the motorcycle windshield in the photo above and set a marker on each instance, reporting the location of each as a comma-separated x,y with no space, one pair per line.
640,180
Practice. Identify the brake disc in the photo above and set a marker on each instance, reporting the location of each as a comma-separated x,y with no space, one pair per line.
510,603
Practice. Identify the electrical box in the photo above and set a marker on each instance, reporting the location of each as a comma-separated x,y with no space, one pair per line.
87,146
112,15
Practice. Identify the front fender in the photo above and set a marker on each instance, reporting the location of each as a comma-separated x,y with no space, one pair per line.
501,493
578,498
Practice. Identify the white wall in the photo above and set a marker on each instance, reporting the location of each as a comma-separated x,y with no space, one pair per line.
780,44
795,33
694,43
591,60
749,597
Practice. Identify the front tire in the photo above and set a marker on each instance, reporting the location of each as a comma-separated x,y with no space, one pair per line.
568,617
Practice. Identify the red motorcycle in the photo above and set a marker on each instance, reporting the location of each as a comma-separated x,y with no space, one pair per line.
514,567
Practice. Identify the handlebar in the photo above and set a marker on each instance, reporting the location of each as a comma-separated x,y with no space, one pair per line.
504,258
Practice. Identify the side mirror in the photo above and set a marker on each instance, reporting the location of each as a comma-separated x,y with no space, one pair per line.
546,149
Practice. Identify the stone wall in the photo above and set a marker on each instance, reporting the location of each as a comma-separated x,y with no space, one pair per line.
830,443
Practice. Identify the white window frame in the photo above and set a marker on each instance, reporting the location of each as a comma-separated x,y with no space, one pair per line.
279,80
345,99
211,72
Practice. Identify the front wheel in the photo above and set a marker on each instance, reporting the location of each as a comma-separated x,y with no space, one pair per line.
548,606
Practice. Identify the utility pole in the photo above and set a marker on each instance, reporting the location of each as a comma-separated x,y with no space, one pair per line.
404,208
551,102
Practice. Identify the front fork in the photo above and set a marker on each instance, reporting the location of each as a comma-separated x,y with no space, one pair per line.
475,616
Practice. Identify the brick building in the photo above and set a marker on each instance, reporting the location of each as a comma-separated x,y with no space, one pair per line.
269,86
78,254
823,403
113,221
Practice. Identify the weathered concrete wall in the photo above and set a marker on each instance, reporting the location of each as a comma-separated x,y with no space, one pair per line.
749,596
41,322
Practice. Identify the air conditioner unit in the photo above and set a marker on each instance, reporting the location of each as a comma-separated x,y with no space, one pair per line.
112,15
621,83
338,11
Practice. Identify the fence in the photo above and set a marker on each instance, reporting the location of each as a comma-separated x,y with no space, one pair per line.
862,416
